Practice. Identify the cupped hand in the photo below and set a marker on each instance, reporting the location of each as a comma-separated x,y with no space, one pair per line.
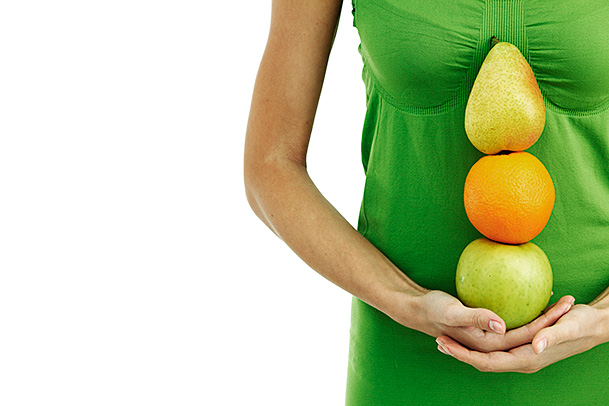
442,315
580,329
489,341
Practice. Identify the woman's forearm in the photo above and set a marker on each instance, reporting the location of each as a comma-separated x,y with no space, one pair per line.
279,189
282,194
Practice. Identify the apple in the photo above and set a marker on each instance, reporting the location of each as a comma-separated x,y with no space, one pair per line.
513,281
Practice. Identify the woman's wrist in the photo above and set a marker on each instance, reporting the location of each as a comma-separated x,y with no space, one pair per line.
605,324
601,304
402,303
603,309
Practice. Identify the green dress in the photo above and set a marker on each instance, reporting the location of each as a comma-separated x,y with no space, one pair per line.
420,59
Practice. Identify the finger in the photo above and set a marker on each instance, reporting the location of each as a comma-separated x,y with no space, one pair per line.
480,318
499,361
554,335
525,334
556,311
564,299
550,316
479,340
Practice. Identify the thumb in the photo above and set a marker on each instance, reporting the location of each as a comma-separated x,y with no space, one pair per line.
483,319
553,335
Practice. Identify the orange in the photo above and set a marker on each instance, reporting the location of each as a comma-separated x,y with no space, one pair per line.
509,197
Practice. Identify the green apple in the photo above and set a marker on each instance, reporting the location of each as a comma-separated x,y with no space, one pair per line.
513,281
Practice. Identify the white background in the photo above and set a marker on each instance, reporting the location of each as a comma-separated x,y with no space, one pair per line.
132,270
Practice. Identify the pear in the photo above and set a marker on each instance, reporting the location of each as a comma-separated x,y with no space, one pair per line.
505,110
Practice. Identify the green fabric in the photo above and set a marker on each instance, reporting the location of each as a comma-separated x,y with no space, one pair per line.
420,61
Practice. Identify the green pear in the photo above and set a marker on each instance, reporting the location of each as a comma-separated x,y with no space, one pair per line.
505,110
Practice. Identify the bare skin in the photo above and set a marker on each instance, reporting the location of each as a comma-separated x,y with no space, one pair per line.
283,196
577,331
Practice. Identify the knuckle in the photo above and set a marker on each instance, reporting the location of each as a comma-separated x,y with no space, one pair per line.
488,345
544,319
478,320
529,368
485,367
449,316
529,330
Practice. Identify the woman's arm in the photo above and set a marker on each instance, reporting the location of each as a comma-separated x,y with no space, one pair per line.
278,186
282,194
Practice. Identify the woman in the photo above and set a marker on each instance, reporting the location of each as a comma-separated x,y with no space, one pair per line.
420,62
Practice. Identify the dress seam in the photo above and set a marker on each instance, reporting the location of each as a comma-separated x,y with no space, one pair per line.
445,107
550,105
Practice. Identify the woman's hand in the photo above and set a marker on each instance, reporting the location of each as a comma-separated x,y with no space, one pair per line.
488,342
579,330
440,314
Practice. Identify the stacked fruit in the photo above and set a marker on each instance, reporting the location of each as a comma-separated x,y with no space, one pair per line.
509,195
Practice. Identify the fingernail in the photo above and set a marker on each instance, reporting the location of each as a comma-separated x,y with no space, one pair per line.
541,345
495,326
442,348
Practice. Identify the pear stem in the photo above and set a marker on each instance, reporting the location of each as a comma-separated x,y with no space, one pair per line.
494,41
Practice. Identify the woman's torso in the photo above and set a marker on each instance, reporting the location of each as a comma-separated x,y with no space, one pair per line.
420,61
